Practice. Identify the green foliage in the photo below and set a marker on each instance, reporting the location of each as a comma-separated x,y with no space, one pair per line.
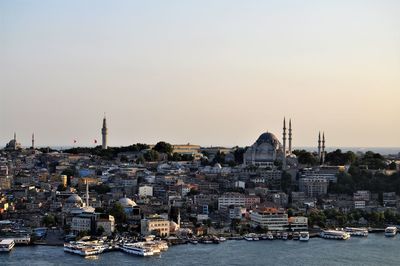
49,220
109,153
101,189
219,158
118,212
305,157
338,158
151,155
180,157
163,147
286,182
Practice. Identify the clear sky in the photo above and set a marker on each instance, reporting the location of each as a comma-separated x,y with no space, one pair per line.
204,72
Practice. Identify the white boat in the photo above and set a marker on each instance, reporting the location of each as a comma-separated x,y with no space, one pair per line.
353,231
285,236
304,236
82,249
135,249
335,234
296,236
248,237
270,236
222,239
390,231
6,245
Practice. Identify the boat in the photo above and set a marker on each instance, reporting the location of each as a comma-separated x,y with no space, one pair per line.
193,241
83,249
6,245
304,236
285,236
270,236
248,237
296,236
335,234
278,236
390,231
363,232
137,249
222,239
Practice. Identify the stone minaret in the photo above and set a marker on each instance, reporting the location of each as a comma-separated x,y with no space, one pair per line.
15,141
104,134
33,141
284,143
319,147
87,193
290,136
323,148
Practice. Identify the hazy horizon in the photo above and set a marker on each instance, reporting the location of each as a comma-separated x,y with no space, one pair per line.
210,72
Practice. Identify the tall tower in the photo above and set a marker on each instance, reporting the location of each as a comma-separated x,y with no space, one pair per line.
104,134
87,193
284,144
290,136
15,141
33,141
323,148
319,147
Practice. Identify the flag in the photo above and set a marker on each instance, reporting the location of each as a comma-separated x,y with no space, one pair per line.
95,141
74,140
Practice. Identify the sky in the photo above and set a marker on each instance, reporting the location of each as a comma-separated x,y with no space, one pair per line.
203,72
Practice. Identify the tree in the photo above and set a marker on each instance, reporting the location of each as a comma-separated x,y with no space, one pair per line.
163,147
100,231
305,157
151,156
49,220
118,212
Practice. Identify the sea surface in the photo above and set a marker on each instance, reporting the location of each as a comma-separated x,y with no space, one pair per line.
376,249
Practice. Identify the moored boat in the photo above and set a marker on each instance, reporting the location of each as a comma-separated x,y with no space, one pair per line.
296,236
137,249
335,234
304,236
363,232
6,245
390,231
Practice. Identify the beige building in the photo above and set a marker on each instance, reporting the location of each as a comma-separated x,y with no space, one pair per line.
155,226
5,182
108,224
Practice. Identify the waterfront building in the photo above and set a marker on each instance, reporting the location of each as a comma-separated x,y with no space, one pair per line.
298,223
389,199
107,222
155,225
272,219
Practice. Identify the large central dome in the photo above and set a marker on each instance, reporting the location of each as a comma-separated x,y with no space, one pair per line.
269,138
264,152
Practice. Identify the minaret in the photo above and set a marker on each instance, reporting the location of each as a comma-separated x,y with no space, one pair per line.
179,219
284,143
290,136
33,141
15,141
323,148
319,147
87,193
104,134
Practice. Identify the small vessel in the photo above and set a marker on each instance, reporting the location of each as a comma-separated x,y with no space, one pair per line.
248,237
285,236
193,241
222,239
6,245
137,249
335,234
296,236
390,231
304,236
278,236
270,236
353,231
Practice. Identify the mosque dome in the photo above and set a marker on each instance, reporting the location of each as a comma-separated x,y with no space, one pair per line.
127,202
268,138
74,199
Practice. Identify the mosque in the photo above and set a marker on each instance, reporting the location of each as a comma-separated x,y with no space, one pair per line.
268,149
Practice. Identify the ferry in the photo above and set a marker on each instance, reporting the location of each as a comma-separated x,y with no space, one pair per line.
390,231
335,234
83,249
6,245
363,232
304,236
135,249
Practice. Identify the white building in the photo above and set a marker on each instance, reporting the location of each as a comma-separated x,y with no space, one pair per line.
108,224
155,226
146,191
270,218
298,223
237,199
314,187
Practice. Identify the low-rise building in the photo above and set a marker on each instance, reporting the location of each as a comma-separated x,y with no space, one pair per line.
270,218
155,225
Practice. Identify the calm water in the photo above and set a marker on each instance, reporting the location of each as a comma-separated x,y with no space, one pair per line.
374,250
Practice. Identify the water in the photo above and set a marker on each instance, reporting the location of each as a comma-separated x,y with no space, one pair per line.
374,250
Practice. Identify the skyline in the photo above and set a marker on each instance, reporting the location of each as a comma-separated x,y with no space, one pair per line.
203,73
